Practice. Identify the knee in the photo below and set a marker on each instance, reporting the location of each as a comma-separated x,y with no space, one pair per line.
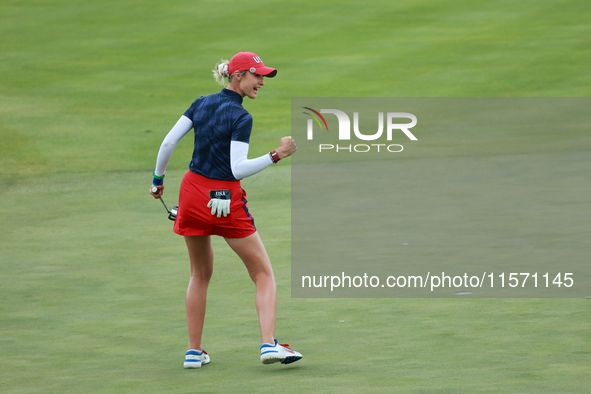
202,274
263,276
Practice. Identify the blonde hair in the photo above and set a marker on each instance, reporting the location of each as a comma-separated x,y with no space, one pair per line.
221,73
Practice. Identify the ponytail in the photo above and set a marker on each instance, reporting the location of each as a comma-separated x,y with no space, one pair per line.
220,72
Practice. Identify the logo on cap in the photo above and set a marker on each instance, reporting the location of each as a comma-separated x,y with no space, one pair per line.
257,59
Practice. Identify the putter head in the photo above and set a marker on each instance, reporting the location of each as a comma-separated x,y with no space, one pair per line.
172,213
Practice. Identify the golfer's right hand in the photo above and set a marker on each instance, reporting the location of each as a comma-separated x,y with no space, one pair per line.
287,147
157,191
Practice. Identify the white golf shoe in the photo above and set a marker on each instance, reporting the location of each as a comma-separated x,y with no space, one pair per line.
278,353
196,358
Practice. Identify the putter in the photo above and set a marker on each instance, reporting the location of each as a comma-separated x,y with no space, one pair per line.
171,214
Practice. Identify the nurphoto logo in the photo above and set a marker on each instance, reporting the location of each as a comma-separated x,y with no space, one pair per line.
386,122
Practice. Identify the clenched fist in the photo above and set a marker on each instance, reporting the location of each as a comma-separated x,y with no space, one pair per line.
287,147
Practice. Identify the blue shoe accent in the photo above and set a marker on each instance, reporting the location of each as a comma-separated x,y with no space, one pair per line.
193,353
268,345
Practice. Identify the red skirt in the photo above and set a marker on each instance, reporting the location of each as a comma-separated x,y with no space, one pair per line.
195,218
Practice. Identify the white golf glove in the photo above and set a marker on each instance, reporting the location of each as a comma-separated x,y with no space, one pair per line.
219,206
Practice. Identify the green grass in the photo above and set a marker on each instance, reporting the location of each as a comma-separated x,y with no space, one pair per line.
92,279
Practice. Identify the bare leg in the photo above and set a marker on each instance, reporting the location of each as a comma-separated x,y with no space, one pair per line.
201,257
254,255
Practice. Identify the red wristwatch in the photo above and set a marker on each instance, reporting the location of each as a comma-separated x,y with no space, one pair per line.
274,156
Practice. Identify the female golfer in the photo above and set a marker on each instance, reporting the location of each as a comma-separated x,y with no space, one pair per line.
212,202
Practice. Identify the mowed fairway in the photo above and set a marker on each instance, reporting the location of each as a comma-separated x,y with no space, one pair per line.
92,279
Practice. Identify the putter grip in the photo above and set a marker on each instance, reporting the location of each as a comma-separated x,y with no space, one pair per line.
154,189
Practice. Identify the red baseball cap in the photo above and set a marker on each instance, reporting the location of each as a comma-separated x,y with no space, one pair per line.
249,61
